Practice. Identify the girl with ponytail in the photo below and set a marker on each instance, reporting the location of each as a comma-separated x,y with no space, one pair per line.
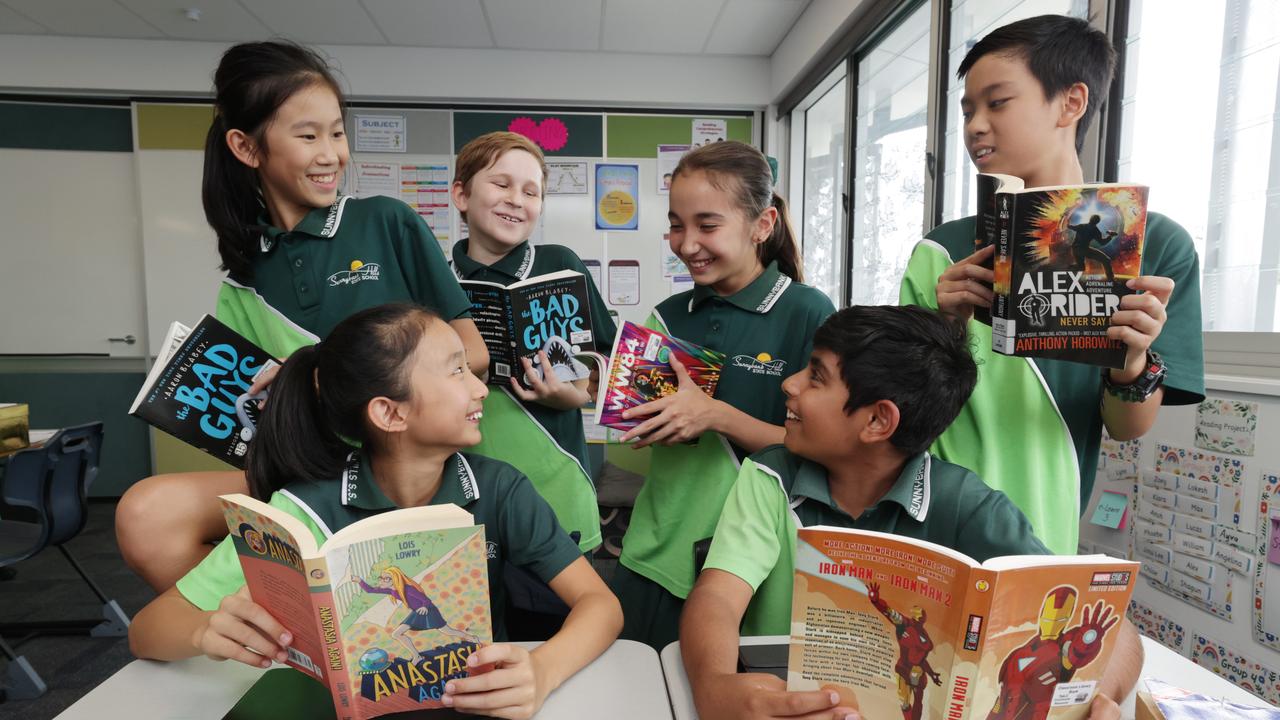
393,379
299,258
732,231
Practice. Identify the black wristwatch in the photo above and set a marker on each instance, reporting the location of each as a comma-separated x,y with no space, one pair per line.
1143,386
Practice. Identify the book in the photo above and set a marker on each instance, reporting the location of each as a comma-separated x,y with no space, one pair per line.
520,319
1063,256
891,622
384,613
640,371
198,389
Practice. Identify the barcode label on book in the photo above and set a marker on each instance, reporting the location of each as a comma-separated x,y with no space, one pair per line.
1073,693
578,337
502,369
1002,334
651,347
301,658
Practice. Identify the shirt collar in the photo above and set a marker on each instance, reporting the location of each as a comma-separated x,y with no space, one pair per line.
358,488
910,490
758,297
516,264
318,222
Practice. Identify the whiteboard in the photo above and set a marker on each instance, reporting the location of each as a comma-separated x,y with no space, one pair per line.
72,257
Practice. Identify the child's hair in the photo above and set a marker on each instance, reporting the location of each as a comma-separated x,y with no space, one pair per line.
318,398
741,170
251,83
916,358
485,151
1060,51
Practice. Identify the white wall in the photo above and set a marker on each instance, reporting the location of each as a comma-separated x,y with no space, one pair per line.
817,29
162,67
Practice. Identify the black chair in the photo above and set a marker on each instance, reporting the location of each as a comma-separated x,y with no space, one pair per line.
49,486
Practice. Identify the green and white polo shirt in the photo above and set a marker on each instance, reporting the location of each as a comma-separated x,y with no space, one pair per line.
766,332
778,492
352,255
547,445
519,526
1032,427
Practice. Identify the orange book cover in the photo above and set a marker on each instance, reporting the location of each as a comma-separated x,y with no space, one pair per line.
384,613
901,627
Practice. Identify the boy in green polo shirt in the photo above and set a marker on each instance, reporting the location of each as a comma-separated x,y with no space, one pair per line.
882,382
1033,426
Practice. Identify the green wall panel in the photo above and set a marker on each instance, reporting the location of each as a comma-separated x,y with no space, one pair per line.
40,126
638,136
173,127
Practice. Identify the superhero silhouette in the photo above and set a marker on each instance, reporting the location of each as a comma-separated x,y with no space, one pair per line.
1086,234
914,647
1030,673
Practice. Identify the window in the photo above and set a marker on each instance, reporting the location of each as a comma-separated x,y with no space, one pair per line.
820,212
1209,119
970,21
889,167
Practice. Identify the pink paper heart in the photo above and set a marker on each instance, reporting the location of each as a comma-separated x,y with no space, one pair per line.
550,134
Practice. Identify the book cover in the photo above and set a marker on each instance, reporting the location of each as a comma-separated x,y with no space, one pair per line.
1063,256
938,636
640,371
197,390
523,318
384,613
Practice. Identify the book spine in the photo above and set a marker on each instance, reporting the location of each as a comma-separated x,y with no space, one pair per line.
334,663
975,616
1003,324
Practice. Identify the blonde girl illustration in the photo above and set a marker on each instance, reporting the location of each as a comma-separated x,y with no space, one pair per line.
423,614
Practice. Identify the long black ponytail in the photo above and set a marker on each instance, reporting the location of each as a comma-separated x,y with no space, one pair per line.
319,396
752,178
251,83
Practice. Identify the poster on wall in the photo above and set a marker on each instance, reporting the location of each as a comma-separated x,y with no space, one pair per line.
382,133
1243,671
624,282
1266,607
567,178
668,157
617,197
1226,425
376,178
672,265
709,131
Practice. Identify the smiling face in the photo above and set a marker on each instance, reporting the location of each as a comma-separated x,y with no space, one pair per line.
713,236
446,400
817,425
306,152
502,202
1011,128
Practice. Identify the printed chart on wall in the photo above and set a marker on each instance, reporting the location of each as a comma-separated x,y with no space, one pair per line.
422,185
617,197
624,282
1187,529
1266,609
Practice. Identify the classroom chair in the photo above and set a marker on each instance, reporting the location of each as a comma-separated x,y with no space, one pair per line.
49,485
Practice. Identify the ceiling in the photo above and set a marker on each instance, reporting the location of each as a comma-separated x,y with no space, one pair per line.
696,27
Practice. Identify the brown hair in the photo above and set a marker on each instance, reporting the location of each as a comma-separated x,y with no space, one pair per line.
741,170
485,150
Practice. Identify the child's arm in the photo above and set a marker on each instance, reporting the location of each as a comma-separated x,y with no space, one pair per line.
171,628
687,413
1137,323
1121,674
523,679
967,284
709,647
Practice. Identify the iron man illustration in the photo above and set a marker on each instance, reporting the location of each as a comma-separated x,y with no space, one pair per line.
914,647
1030,673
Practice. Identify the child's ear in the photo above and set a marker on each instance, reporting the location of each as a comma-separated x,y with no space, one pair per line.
764,225
458,192
243,147
882,422
1075,100
387,415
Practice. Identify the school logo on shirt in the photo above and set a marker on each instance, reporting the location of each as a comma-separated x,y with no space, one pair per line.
762,364
491,549
359,272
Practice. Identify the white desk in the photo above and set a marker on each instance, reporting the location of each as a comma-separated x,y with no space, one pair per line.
1161,663
626,682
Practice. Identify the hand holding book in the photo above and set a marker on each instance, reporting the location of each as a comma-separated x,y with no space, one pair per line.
679,417
966,285
548,388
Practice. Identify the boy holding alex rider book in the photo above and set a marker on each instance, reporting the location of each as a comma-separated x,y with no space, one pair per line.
881,384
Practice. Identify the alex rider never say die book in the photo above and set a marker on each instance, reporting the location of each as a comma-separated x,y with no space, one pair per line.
905,628
384,613
1063,256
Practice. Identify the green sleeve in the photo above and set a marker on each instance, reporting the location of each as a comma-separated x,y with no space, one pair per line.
243,310
1170,253
530,532
220,575
430,279
996,527
920,280
746,542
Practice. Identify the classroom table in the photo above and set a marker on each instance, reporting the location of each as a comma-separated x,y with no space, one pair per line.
1161,663
625,683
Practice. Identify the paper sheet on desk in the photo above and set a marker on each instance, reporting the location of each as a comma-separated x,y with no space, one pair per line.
1178,704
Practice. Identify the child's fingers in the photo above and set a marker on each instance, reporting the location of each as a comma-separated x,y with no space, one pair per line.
239,606
520,392
1161,287
641,433
490,699
243,635
498,653
980,256
649,408
1138,320
221,648
501,679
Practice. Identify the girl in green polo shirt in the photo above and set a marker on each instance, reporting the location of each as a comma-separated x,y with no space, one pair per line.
732,231
395,379
299,258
